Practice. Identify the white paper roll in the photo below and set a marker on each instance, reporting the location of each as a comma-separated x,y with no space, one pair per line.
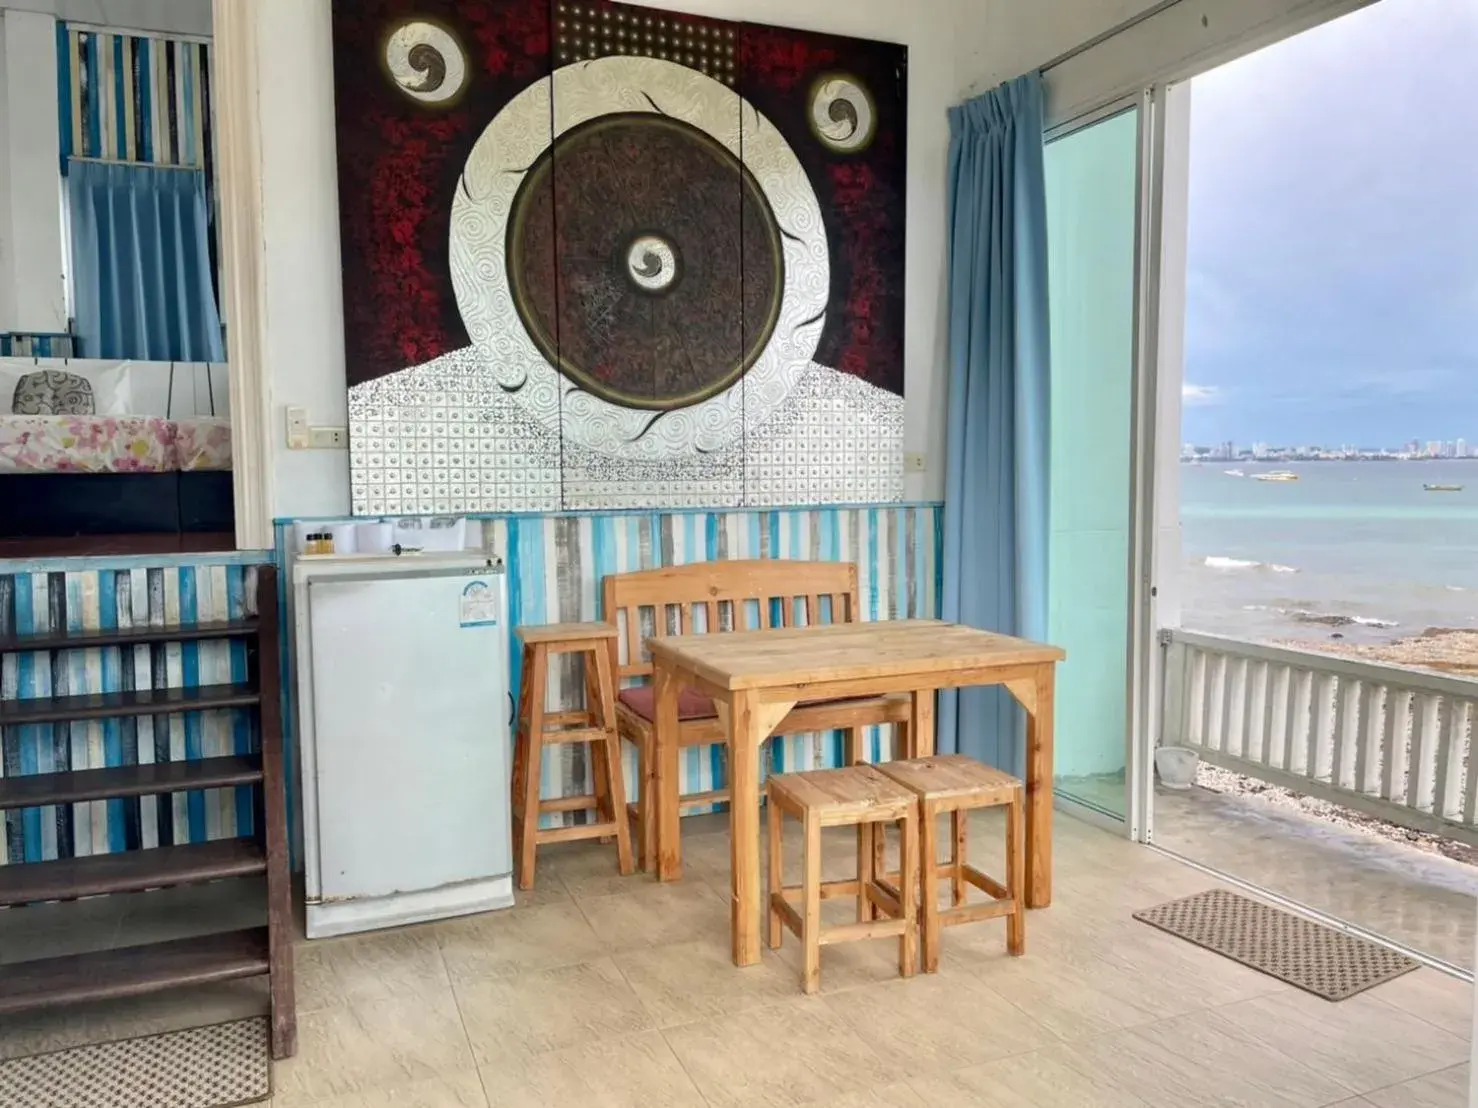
374,538
345,537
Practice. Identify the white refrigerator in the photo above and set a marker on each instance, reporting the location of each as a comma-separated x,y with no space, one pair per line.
404,739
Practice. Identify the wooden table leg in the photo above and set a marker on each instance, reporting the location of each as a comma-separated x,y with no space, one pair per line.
664,739
921,724
749,724
1039,791
745,738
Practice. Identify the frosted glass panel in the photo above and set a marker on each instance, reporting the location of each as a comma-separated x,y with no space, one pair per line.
1091,204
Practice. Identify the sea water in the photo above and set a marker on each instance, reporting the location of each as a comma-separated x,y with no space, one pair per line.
1351,549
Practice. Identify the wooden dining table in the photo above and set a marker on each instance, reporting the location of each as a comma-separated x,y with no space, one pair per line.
756,677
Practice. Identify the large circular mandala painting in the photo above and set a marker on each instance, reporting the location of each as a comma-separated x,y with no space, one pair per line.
665,296
599,273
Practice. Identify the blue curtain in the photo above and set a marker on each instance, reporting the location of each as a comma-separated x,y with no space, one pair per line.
995,498
141,269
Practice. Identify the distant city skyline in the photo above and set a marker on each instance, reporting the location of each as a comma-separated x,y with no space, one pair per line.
1332,275
1458,447
1413,448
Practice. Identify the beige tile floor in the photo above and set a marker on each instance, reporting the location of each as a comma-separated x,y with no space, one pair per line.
599,990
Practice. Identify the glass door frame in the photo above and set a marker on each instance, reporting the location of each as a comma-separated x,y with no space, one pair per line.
1142,652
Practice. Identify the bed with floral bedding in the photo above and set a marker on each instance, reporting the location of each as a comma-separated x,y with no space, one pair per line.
112,444
80,474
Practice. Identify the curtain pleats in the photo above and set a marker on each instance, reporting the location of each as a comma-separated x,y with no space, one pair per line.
141,264
996,479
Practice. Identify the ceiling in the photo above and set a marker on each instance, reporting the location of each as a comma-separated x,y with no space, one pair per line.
181,17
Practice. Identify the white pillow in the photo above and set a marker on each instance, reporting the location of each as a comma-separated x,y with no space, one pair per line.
11,372
111,384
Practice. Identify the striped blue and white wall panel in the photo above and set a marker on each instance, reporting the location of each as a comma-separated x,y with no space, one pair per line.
92,598
556,563
133,98
24,344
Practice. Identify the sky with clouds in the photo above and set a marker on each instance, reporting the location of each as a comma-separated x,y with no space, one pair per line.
1332,285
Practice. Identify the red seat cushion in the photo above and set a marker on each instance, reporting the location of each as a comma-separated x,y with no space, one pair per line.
690,704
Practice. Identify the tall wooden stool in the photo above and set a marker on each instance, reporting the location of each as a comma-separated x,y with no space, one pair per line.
855,795
956,784
594,725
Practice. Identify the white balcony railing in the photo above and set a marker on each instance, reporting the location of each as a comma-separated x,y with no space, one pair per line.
1393,743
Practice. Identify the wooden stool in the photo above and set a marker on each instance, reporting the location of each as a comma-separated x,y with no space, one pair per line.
594,725
955,784
854,795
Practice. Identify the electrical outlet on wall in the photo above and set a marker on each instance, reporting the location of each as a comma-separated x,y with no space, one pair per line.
328,438
297,428
913,463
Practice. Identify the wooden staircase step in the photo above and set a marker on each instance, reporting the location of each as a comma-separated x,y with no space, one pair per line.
128,636
129,871
132,970
134,702
36,789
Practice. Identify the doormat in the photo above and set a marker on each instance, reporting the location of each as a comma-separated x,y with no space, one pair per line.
223,1066
1315,958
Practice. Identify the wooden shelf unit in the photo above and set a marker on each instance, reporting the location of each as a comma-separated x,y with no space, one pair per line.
137,970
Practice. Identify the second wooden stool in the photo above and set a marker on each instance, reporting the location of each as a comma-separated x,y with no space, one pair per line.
594,725
857,796
956,784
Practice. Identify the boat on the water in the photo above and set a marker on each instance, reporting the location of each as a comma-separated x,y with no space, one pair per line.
1443,488
1276,475
1234,473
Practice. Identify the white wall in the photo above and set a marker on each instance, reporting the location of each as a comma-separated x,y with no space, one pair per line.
7,283
304,331
304,344
33,296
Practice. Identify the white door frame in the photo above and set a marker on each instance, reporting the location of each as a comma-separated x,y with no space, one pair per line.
237,119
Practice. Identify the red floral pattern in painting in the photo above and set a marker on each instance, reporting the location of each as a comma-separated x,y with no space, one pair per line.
399,165
861,194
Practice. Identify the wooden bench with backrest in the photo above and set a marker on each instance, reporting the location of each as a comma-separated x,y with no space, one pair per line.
709,597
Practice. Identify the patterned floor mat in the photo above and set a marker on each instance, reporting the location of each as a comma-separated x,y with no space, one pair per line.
206,1067
1315,958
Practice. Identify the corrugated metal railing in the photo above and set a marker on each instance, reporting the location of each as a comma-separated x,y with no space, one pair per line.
1393,743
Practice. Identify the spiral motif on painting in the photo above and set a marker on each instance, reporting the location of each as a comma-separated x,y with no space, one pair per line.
842,113
426,62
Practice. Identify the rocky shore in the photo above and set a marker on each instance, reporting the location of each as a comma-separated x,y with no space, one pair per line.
1442,649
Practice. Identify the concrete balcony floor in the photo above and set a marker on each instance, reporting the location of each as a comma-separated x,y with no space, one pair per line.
1414,896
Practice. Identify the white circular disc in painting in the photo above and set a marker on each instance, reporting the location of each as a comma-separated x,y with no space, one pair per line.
691,290
843,115
426,61
652,263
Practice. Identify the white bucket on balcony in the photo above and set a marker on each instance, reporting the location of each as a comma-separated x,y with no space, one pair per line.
1177,766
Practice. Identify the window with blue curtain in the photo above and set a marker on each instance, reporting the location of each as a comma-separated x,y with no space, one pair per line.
134,120
141,276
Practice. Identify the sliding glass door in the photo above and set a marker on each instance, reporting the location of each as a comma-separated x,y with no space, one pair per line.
1092,227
